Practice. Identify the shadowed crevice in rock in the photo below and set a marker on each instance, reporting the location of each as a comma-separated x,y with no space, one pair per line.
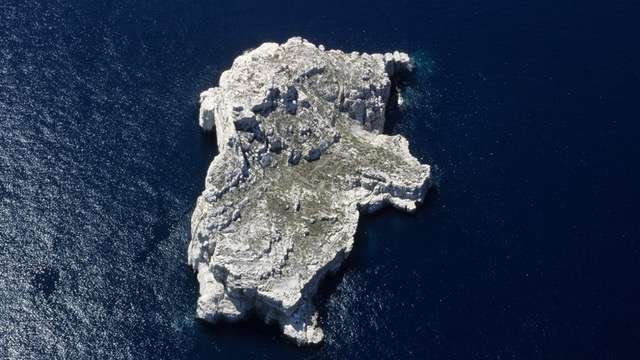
396,104
301,155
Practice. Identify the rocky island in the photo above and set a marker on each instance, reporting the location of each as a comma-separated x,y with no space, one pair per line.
301,155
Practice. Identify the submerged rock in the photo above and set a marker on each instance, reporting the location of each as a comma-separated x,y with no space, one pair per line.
302,154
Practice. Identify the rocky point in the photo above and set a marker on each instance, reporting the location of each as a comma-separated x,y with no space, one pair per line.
301,154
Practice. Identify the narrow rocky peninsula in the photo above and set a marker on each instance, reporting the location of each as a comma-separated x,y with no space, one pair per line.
301,155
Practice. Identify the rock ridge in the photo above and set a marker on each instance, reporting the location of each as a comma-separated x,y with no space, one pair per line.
301,155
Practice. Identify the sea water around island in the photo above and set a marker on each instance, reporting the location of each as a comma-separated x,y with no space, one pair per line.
527,249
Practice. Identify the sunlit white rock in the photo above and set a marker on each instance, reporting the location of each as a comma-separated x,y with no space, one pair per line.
299,130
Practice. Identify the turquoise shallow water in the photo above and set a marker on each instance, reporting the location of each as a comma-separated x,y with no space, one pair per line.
527,249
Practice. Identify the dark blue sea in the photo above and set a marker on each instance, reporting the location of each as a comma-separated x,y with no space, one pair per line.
529,247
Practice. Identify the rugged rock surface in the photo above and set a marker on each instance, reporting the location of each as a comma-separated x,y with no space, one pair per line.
299,130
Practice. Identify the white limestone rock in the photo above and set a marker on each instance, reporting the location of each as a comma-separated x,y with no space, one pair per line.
302,154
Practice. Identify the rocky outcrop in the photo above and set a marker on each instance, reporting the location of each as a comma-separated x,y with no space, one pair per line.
302,154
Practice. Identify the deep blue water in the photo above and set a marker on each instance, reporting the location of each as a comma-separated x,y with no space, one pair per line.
528,249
